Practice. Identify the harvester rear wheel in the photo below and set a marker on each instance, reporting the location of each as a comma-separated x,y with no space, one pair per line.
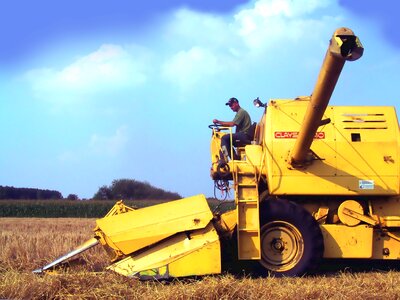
291,240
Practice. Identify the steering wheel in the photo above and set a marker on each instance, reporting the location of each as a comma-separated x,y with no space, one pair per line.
214,126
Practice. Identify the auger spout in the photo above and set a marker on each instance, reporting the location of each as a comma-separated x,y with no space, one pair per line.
343,46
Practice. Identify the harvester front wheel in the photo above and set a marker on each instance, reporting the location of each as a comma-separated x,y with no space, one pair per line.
291,240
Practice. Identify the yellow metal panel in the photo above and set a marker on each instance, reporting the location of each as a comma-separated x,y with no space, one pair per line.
254,154
228,221
333,185
247,193
142,227
248,218
377,152
206,260
199,252
386,246
386,206
392,221
284,121
347,166
347,242
249,244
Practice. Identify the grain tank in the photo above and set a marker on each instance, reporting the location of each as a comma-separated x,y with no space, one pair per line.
317,182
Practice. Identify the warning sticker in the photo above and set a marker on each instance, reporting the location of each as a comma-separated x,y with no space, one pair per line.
366,184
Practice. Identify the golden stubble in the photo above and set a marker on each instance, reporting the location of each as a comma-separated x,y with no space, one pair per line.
29,243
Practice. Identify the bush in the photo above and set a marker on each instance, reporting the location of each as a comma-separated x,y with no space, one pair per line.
132,190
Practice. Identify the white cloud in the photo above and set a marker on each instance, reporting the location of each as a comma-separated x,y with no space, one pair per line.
195,28
68,156
110,67
186,68
110,145
287,8
212,45
99,146
191,49
270,21
199,48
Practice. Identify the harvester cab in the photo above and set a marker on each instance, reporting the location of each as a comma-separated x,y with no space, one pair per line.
316,182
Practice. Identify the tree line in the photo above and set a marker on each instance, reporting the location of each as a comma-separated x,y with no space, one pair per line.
10,192
120,189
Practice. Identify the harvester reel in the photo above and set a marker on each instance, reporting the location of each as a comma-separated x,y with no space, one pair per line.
291,240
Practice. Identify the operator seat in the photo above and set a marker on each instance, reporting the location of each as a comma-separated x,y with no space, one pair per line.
239,154
251,135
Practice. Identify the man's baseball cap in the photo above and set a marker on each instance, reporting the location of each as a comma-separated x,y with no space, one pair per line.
231,101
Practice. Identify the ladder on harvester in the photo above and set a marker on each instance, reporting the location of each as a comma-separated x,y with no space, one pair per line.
247,201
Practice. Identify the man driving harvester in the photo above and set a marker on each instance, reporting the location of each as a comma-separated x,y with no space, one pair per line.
242,121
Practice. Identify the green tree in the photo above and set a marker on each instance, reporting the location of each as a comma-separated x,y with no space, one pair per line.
104,193
130,189
72,197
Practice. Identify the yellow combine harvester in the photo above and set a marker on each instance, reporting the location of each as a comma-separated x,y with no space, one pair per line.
317,182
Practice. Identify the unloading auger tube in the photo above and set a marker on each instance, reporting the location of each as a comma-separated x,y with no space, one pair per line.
343,46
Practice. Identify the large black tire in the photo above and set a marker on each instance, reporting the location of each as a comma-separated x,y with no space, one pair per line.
291,240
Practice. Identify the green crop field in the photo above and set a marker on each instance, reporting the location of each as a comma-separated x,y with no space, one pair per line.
76,209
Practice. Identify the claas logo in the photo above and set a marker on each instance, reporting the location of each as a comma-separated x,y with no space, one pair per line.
294,135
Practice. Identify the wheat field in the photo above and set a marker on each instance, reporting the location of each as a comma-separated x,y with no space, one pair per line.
29,243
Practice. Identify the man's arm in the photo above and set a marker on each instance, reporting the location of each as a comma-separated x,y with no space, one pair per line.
223,123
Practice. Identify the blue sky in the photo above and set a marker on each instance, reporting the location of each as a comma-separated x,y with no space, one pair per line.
92,91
